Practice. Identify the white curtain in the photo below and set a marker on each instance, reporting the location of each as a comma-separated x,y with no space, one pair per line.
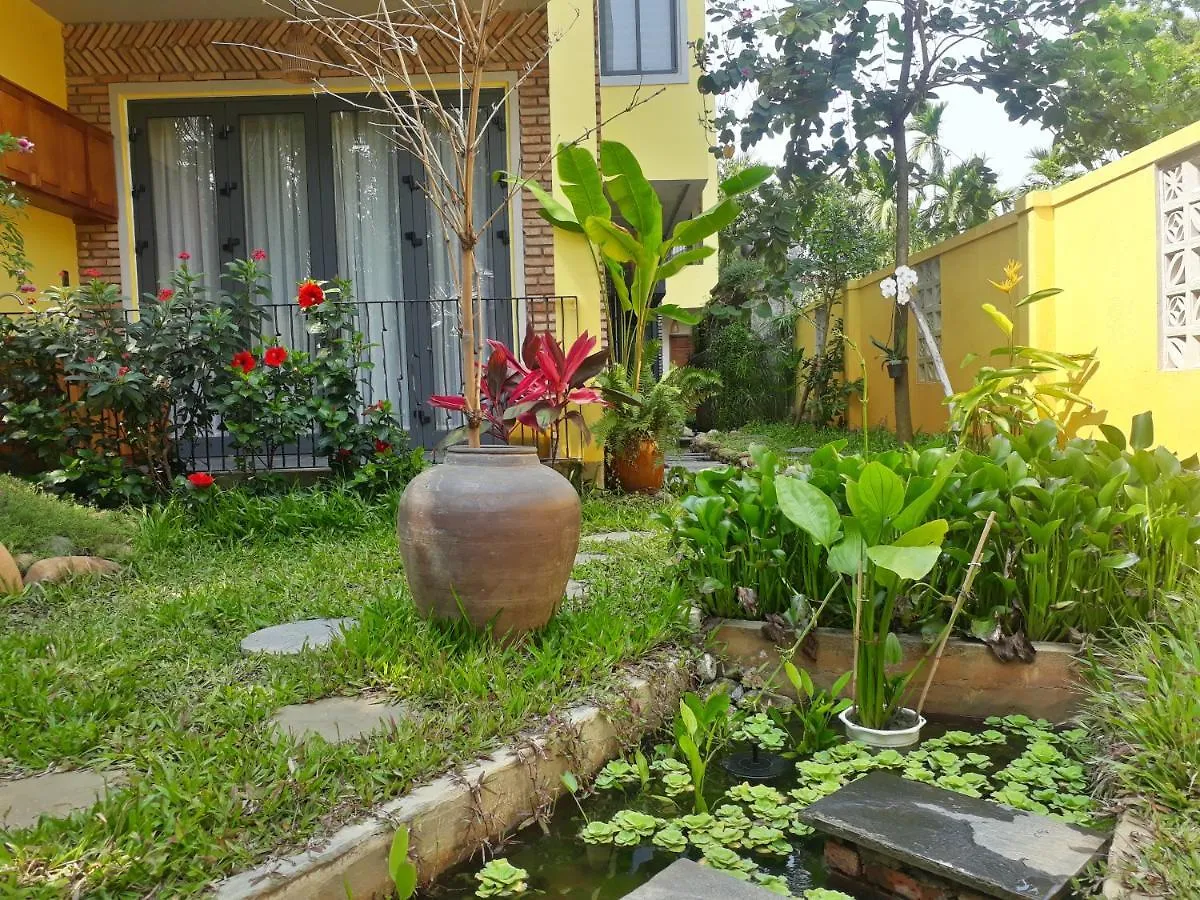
275,188
184,188
367,212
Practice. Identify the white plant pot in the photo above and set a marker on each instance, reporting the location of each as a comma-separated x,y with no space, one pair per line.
872,737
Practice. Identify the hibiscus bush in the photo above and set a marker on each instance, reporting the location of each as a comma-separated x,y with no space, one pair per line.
99,405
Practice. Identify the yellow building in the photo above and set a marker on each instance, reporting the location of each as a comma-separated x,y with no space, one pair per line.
1123,244
198,139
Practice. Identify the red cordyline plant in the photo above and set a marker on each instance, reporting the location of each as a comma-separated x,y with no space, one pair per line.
537,391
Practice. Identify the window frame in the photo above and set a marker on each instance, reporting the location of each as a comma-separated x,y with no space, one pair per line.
678,75
323,247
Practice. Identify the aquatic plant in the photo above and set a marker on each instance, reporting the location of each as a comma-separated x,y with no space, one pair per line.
500,878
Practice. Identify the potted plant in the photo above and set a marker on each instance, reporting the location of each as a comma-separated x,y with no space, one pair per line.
633,257
639,423
882,547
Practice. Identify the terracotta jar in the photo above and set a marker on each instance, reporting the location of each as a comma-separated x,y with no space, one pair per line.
640,469
493,531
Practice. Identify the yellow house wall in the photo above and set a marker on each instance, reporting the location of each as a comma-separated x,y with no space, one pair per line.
1106,256
36,64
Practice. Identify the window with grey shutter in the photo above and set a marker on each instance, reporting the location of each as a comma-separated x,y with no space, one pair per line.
639,37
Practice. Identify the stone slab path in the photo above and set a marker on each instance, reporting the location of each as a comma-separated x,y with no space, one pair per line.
686,880
989,848
339,719
294,637
24,801
576,590
583,558
693,461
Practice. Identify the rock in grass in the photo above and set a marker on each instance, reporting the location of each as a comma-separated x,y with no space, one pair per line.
10,575
25,560
60,568
57,545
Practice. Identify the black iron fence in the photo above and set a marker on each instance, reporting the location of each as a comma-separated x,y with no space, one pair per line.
412,352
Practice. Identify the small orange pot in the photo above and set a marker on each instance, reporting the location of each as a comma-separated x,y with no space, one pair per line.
641,469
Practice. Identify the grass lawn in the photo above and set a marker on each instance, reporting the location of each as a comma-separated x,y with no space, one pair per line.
144,673
1144,712
781,437
29,518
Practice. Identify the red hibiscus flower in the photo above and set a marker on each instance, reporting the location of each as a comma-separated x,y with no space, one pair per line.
343,454
123,371
275,357
310,294
201,480
382,446
244,361
184,256
90,359
27,288
259,254
165,294
91,273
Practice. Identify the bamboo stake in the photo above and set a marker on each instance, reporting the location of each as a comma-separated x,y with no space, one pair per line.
958,605
858,592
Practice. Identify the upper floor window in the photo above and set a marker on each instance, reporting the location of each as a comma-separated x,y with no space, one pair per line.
641,41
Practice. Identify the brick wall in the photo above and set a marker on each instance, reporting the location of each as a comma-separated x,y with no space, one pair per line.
99,55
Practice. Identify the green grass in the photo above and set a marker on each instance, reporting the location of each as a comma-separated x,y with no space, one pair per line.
144,673
29,517
781,437
1144,710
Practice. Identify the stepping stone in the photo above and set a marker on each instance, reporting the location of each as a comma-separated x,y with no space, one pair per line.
617,537
989,848
24,801
293,637
800,451
577,590
339,719
582,559
686,880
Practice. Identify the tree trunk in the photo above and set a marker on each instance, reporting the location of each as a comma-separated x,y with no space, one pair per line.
467,242
904,426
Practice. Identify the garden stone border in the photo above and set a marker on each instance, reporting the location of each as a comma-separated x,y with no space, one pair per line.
1124,852
970,681
452,816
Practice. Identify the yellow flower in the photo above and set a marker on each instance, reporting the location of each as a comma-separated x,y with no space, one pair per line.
1012,277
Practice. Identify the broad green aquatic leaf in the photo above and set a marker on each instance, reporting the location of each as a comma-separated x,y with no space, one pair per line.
849,555
1141,435
400,867
875,498
570,782
809,508
893,652
909,563
689,718
931,534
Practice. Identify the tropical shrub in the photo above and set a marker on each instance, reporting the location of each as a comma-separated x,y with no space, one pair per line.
99,403
1019,386
757,368
1088,535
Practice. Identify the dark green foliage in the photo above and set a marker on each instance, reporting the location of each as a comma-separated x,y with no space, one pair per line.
757,370
1088,535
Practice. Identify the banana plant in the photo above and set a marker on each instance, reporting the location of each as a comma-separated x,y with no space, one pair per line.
635,254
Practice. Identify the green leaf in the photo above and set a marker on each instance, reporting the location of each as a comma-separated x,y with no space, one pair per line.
676,263
679,314
614,241
401,868
1141,435
909,563
689,718
557,214
809,508
696,229
1039,295
582,183
746,179
931,534
634,195
570,782
849,554
1003,321
893,651
1113,435
876,498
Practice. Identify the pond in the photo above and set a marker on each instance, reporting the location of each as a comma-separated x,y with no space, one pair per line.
753,827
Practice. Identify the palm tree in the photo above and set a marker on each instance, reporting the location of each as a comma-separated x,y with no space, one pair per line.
965,195
927,151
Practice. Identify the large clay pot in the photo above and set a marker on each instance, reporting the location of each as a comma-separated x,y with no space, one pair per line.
640,469
491,533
